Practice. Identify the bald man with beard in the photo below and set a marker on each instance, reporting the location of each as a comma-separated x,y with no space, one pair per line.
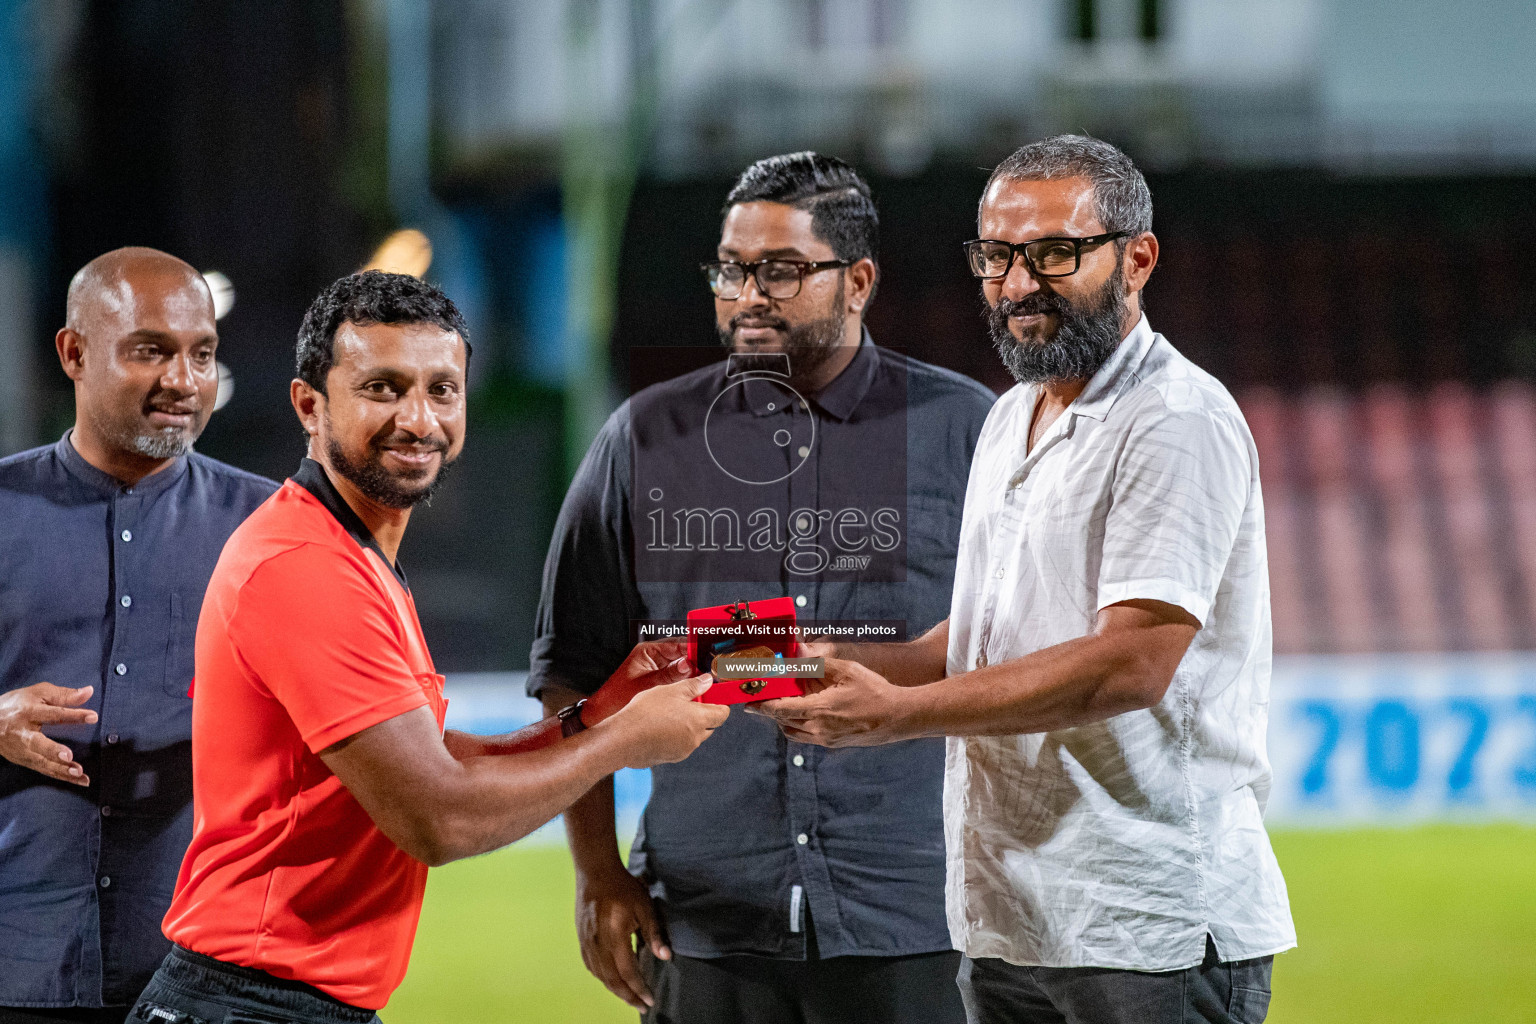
107,540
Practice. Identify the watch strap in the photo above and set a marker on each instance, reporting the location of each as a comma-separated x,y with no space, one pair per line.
570,718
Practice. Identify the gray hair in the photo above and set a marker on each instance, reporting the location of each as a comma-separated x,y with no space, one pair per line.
1120,194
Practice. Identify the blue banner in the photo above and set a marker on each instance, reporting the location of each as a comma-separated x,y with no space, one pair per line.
1375,739
1353,740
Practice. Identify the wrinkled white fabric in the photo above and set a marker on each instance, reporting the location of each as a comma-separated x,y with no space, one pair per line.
1124,842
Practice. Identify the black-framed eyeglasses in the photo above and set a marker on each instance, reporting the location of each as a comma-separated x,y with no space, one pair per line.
1045,257
777,279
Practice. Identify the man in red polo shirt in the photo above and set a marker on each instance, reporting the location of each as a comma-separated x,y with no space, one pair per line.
323,781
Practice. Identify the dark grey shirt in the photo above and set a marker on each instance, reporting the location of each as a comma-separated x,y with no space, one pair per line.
100,585
715,487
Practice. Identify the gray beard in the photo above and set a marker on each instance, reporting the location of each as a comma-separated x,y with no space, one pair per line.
1085,336
168,445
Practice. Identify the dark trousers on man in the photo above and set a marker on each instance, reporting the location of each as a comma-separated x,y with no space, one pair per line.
838,990
1234,992
190,988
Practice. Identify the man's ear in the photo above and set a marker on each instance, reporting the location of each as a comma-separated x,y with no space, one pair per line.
861,284
308,403
1140,258
71,348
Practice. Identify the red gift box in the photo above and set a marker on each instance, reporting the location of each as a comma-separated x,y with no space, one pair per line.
744,629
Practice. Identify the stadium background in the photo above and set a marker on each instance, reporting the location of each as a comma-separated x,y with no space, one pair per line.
1345,191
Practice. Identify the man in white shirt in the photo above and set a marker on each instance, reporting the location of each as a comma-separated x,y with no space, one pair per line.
1103,675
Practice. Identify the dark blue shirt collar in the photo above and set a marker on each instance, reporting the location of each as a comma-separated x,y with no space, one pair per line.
106,483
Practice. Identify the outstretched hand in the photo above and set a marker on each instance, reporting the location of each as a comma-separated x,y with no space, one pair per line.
654,663
24,712
852,706
665,723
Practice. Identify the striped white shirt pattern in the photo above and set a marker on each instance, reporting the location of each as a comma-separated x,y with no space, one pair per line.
1124,842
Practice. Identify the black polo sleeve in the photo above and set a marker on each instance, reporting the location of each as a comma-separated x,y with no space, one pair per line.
589,598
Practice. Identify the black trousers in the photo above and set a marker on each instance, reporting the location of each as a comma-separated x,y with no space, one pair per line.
916,989
1214,992
190,988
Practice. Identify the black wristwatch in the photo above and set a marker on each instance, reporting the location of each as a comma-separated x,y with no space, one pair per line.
570,718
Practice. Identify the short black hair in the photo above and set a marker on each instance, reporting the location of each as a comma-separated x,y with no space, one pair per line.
842,209
369,297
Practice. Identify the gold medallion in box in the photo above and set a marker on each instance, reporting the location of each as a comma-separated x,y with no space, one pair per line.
748,654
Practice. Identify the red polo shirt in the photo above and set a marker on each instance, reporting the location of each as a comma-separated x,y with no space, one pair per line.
307,637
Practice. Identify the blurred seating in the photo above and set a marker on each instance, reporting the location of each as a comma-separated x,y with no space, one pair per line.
1399,519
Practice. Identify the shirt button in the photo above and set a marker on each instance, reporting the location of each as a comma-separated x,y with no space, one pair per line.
802,838
104,882
771,407
799,760
125,601
112,737
981,661
106,812
121,669
999,574
800,601
127,536
803,523
805,451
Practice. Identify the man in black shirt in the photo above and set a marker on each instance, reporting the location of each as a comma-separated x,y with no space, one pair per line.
772,881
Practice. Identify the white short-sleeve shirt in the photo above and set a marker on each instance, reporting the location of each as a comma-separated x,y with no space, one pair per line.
1122,843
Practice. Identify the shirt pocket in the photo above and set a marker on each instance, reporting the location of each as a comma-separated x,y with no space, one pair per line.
432,685
180,636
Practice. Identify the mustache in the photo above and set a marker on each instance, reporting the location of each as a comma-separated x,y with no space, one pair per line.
757,320
179,408
1030,305
425,444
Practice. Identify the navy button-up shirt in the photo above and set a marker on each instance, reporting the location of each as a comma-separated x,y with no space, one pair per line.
719,486
100,585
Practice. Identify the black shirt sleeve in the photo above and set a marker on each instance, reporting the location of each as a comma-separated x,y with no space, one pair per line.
589,597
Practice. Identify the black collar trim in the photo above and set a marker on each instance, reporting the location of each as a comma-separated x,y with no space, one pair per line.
314,479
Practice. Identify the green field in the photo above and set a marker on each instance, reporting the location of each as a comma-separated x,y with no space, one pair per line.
1411,925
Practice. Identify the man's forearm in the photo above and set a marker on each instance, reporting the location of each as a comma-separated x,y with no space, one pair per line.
1064,686
589,822
1125,665
464,745
1037,693
458,808
551,777
592,833
915,663
605,703
525,793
